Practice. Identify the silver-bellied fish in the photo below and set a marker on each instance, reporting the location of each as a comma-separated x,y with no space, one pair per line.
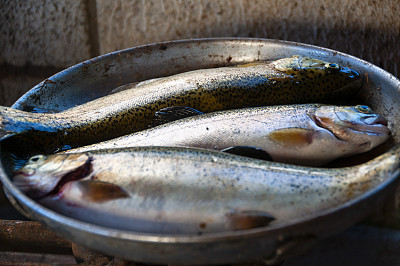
290,80
306,134
176,190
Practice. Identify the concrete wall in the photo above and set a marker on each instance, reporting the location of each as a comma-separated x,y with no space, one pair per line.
42,37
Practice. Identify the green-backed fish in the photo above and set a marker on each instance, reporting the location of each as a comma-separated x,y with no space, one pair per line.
290,80
304,134
176,190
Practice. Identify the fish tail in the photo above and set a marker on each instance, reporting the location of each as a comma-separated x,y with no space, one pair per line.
5,122
13,122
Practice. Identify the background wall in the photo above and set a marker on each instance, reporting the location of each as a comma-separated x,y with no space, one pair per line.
41,37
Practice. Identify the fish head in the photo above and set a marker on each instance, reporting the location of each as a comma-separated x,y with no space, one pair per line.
43,174
320,77
355,125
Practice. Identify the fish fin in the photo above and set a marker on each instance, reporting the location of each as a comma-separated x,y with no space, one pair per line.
173,113
292,136
241,220
98,191
6,123
4,135
132,85
324,122
248,151
13,122
33,109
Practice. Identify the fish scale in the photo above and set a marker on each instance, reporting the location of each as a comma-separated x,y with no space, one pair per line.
176,190
305,134
207,90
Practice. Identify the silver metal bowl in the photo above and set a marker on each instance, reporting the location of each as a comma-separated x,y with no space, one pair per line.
99,76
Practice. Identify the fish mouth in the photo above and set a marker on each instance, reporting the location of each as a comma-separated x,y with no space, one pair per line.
375,120
24,181
79,173
373,125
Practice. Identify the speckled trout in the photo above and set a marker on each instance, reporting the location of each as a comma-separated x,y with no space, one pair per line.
290,80
176,190
305,134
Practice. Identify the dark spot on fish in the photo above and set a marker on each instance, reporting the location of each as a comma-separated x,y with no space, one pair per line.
163,47
228,59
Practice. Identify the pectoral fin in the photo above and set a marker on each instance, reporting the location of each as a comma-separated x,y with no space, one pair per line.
97,191
292,137
241,220
173,113
248,151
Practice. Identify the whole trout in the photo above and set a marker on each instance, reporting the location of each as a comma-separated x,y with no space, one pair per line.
289,80
305,134
167,190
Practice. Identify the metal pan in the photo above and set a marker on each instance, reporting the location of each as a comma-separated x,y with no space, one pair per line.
97,77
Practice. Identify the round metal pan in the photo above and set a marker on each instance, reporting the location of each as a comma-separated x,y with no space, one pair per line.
99,76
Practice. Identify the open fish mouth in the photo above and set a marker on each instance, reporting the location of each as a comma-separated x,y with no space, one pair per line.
343,130
375,120
79,173
22,180
373,125
27,180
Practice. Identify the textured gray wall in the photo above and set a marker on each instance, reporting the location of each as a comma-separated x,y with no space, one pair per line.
40,38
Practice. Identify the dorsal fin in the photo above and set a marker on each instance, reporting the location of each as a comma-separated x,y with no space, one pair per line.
248,151
170,114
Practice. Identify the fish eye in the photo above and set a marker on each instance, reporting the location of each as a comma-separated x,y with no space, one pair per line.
36,158
333,68
363,109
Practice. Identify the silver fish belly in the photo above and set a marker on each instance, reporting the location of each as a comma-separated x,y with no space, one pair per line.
173,190
296,79
289,133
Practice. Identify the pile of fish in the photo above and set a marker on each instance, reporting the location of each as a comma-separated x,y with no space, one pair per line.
209,150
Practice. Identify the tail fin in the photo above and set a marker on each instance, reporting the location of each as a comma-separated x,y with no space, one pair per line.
5,122
13,122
